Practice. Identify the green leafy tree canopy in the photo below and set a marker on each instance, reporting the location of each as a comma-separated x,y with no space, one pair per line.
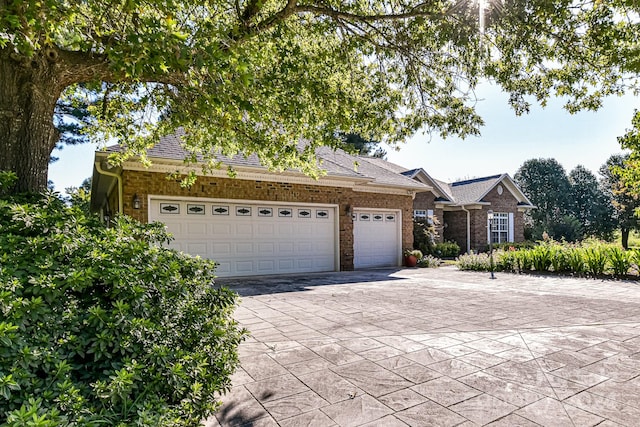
257,76
625,200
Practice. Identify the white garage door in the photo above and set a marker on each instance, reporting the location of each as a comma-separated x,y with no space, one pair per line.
376,238
252,238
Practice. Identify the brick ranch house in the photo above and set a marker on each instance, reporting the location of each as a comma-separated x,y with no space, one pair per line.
261,222
462,207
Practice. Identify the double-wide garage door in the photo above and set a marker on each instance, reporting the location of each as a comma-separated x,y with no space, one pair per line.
377,237
252,238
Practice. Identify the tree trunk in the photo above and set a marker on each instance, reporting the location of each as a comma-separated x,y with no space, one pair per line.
29,90
625,238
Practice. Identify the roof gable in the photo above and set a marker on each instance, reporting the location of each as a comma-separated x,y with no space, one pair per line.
440,189
475,190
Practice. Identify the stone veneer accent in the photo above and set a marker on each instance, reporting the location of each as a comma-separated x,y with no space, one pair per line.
154,183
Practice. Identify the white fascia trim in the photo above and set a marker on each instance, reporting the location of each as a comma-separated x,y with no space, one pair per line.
246,175
478,205
385,190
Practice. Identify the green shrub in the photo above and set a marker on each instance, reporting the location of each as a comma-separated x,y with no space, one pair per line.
560,258
447,250
595,259
576,260
103,327
524,260
424,235
506,260
620,260
474,262
429,261
541,257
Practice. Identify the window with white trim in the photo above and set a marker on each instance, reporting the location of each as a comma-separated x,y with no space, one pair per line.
419,214
423,214
500,227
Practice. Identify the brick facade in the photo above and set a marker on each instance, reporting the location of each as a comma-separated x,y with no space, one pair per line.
153,183
455,228
426,201
456,221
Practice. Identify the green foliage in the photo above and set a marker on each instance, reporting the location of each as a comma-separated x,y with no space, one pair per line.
541,257
104,326
424,235
259,76
560,258
80,197
595,259
591,257
7,180
524,260
429,261
617,182
446,249
359,145
620,260
569,207
590,204
545,183
577,261
568,228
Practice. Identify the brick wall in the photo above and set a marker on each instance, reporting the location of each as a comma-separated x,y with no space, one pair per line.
456,228
426,201
457,221
505,202
152,183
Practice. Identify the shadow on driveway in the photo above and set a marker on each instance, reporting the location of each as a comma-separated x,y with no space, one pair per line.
264,285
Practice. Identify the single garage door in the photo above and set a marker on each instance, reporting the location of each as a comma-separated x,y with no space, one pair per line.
376,238
252,238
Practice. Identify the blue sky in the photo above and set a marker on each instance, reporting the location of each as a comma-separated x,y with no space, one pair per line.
507,141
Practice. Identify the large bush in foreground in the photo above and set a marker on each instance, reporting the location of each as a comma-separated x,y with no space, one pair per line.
103,326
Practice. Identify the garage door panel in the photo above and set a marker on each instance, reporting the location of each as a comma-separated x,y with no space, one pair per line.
246,240
244,267
305,247
266,266
244,229
243,248
196,229
196,248
286,248
266,248
222,248
266,230
377,239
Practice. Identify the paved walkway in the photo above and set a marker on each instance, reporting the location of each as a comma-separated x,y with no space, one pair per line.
436,347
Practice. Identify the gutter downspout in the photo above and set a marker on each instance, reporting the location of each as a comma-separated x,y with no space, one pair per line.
468,229
119,180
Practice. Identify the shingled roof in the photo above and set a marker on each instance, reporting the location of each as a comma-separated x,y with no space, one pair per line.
337,163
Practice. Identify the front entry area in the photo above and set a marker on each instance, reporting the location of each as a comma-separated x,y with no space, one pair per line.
248,238
377,237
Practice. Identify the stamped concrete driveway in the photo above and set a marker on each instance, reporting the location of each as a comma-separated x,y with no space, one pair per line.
436,347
